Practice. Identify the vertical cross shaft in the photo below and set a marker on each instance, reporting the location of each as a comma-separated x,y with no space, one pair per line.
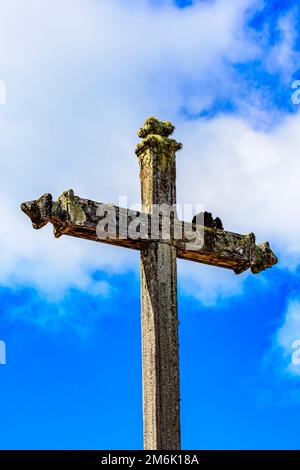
160,356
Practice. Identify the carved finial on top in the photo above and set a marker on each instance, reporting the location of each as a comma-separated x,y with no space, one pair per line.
155,135
156,127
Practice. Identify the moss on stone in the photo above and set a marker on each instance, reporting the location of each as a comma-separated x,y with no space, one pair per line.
70,203
248,239
154,126
264,258
161,145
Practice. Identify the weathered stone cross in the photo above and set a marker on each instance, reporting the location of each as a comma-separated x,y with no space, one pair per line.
71,215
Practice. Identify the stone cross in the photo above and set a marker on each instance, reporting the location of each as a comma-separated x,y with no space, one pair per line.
207,243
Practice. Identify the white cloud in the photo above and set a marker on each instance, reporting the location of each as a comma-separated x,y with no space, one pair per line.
81,77
283,55
249,177
208,284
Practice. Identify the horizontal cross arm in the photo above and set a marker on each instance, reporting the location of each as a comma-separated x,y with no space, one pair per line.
227,250
81,218
106,223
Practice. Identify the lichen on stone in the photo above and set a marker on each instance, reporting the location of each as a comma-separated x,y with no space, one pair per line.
248,239
263,258
39,210
155,137
154,126
158,144
70,204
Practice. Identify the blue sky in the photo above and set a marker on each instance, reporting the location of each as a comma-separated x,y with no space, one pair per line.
81,77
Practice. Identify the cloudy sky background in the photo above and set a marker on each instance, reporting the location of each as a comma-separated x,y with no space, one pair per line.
81,77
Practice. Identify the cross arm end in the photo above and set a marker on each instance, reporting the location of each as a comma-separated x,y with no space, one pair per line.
263,258
39,210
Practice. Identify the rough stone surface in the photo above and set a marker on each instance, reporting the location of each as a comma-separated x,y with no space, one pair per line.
209,243
154,126
263,258
160,350
207,220
77,217
161,394
39,211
